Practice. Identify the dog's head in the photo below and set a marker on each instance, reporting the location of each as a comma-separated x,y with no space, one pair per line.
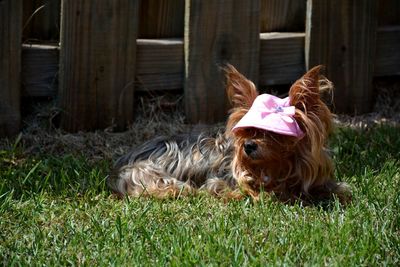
279,143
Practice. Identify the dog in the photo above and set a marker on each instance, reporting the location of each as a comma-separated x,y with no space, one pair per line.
270,145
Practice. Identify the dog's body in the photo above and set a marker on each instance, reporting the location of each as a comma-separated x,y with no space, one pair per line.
244,160
177,165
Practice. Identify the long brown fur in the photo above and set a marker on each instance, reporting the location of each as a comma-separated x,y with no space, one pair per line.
292,168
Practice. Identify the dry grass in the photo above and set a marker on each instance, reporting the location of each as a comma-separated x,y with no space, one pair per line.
162,115
156,116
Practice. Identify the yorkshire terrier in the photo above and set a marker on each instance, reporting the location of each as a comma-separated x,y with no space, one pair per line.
270,145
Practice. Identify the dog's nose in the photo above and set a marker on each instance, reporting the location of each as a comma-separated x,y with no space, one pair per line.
249,147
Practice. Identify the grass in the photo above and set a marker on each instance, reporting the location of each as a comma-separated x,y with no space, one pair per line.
57,211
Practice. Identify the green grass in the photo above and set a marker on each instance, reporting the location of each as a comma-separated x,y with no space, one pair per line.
57,211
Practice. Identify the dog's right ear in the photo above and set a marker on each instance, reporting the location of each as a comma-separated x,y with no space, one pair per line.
241,91
305,92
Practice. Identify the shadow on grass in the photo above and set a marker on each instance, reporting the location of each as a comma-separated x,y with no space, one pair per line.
355,152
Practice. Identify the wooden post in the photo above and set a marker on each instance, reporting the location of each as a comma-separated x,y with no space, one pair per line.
217,32
10,66
98,58
342,36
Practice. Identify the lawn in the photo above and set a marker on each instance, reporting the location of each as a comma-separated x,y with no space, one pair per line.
56,210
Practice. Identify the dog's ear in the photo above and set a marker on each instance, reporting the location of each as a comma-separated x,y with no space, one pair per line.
241,91
312,113
305,92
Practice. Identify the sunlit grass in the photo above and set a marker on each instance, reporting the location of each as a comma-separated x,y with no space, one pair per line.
57,211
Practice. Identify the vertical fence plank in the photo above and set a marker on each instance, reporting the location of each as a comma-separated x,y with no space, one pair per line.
10,66
217,32
342,36
98,57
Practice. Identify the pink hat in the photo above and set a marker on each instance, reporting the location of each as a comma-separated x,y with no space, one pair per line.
273,114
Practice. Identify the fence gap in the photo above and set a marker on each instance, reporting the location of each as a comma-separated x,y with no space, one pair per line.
41,20
342,36
98,58
217,32
161,18
10,66
282,15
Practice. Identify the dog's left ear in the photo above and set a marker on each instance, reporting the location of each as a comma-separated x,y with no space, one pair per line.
312,113
241,91
305,92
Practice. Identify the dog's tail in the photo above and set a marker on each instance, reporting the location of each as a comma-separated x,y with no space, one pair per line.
120,178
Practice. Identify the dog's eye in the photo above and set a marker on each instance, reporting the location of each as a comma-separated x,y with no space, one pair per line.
247,131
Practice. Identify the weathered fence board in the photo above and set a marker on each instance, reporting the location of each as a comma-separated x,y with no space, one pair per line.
103,62
159,64
282,15
388,51
342,36
10,66
281,58
40,70
98,57
217,32
161,18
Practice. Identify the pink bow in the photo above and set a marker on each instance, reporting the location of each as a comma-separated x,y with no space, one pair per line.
273,114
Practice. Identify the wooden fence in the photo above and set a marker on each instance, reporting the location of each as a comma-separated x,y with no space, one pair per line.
111,49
